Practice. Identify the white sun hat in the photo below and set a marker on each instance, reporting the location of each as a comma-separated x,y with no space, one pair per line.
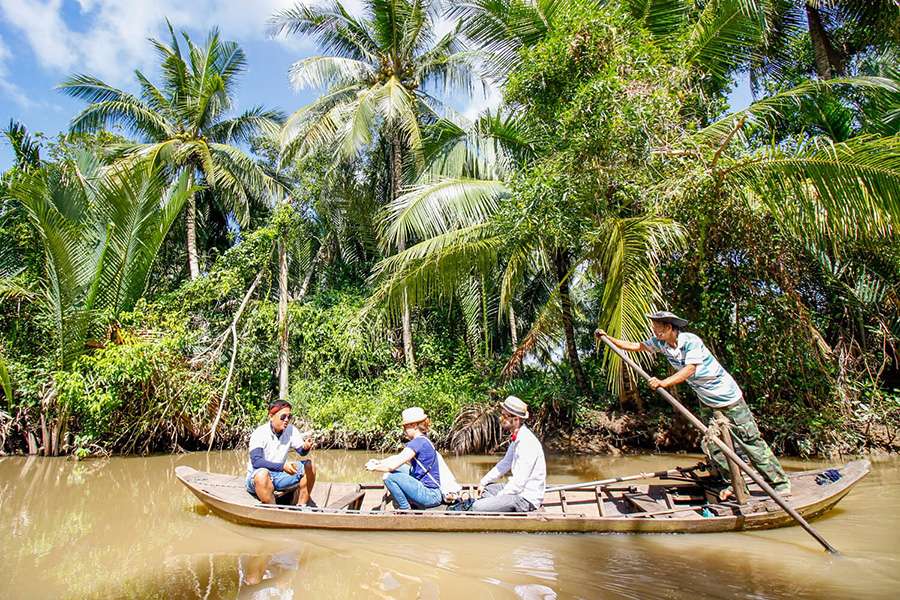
413,415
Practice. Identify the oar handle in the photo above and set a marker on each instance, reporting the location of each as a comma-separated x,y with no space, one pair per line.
724,448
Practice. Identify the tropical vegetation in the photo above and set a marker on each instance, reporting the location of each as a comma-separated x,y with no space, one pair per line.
376,249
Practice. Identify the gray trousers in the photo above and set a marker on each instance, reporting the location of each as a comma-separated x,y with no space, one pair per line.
491,501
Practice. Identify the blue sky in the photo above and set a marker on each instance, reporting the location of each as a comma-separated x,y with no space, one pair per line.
44,41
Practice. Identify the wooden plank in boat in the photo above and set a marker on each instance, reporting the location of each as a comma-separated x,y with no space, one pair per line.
644,502
600,507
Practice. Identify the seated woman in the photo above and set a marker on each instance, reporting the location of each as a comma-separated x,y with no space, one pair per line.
413,477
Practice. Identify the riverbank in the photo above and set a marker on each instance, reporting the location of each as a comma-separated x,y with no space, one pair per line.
597,433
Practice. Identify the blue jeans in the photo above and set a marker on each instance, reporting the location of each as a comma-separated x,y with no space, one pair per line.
407,490
281,480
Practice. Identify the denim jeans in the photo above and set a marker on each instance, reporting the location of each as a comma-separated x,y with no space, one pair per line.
280,480
409,492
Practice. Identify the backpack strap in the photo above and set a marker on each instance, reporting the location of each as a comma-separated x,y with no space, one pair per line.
428,471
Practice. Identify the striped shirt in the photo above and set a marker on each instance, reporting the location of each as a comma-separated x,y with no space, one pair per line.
710,381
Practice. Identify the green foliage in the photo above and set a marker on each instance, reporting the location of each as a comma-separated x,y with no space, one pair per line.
136,396
100,232
366,413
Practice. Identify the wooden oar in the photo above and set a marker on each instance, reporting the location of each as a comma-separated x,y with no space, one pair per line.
725,450
593,484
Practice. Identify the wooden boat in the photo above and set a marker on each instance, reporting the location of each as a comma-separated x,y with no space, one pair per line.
674,505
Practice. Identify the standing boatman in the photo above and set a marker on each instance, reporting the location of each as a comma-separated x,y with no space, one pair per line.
716,388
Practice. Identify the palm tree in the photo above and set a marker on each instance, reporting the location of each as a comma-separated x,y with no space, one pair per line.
379,73
100,229
837,30
184,126
453,210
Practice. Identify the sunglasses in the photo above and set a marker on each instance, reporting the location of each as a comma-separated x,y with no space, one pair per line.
285,418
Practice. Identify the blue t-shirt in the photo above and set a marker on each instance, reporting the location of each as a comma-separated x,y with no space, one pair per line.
424,461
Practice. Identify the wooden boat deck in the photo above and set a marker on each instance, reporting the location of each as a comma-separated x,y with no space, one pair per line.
663,506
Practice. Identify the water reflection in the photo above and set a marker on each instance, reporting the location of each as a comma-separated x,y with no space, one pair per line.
125,528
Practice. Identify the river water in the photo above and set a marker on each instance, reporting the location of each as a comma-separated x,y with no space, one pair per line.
126,528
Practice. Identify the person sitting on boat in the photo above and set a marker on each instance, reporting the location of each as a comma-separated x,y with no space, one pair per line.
413,476
268,470
524,491
716,388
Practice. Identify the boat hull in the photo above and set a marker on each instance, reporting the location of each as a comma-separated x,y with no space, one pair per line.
811,500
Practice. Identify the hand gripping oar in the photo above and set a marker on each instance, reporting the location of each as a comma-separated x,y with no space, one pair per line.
725,449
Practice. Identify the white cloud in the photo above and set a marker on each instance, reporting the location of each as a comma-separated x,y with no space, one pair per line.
42,25
115,42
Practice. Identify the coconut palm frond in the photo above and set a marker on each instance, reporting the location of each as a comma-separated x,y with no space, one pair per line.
335,30
722,38
243,129
327,71
844,190
500,28
763,111
623,254
431,269
438,207
664,19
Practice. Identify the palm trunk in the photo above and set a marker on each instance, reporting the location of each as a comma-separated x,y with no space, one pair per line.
565,301
307,279
396,169
283,362
829,61
514,339
191,224
513,334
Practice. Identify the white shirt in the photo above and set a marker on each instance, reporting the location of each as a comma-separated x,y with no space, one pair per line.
525,458
275,448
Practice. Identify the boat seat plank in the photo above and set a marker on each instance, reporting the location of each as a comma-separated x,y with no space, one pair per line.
645,502
347,500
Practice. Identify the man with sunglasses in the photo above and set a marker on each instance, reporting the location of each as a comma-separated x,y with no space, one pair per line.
268,470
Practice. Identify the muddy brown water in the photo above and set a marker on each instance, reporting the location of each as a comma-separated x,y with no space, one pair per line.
126,528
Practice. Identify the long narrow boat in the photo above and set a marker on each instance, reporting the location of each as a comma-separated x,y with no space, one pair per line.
667,506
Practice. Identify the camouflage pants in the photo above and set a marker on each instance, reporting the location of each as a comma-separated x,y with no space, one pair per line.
748,443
